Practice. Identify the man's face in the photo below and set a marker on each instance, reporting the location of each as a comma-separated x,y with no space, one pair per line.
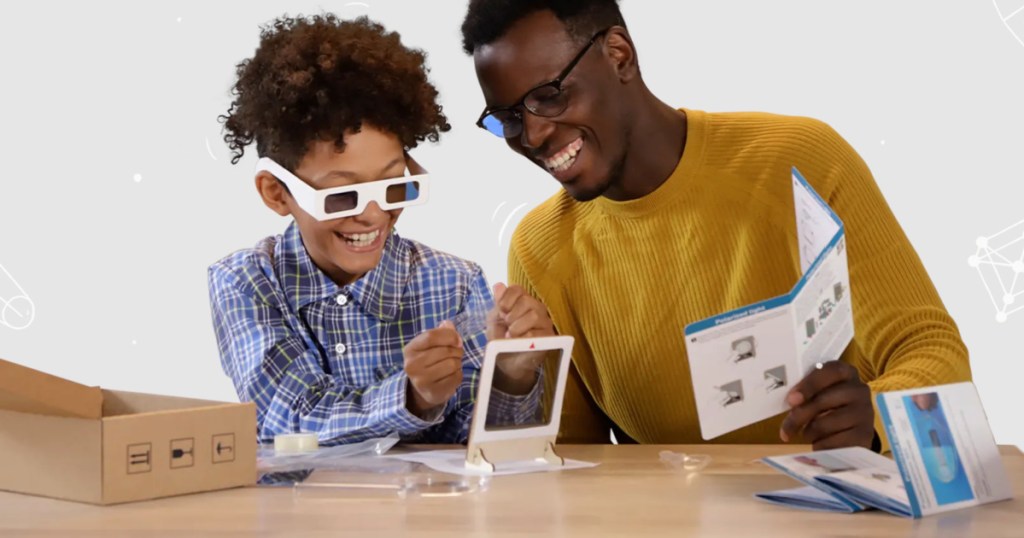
583,147
348,247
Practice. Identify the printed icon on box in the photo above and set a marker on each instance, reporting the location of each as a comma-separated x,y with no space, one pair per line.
140,458
183,453
838,289
811,326
223,446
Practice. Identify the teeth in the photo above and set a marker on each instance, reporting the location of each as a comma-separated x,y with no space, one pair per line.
564,158
362,240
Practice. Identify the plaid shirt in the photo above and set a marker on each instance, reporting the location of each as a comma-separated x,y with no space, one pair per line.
318,357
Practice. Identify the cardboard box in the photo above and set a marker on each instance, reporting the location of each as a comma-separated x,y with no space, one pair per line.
68,441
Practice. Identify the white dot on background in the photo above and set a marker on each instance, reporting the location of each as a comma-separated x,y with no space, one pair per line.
134,342
883,142
1008,299
1001,317
179,19
973,261
982,242
137,177
1018,267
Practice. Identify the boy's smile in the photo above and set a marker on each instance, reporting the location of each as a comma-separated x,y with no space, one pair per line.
360,242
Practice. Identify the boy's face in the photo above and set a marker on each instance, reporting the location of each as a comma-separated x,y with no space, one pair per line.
348,247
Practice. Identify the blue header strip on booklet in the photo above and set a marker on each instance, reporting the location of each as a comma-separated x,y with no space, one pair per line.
894,442
782,300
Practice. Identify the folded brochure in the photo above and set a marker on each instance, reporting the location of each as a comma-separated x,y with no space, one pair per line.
743,362
945,458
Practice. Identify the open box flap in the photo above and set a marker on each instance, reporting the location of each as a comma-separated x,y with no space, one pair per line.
25,390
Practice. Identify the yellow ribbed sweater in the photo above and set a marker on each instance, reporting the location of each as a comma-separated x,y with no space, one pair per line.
624,278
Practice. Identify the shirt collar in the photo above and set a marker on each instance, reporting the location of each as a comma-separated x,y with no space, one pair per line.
379,291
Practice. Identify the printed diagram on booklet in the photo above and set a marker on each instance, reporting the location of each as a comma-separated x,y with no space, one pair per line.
774,379
729,393
825,309
743,349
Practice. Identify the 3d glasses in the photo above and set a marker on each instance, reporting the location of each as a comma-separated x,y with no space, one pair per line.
349,200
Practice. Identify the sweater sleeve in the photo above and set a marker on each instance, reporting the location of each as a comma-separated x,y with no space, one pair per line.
904,337
582,421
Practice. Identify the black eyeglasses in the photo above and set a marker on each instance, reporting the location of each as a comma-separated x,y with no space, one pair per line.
546,100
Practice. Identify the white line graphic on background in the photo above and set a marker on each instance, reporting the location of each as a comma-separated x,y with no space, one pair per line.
1012,14
209,150
1000,263
353,10
508,220
17,311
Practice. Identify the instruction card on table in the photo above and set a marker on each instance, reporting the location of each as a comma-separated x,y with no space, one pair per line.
945,458
743,362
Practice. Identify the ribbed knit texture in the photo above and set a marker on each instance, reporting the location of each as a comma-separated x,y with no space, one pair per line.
625,278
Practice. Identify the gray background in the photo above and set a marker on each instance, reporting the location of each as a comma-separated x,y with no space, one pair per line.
99,94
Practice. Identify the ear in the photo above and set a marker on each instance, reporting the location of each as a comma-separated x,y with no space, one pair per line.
274,195
619,48
414,167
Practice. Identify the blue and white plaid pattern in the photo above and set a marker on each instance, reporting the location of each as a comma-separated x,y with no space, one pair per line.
317,357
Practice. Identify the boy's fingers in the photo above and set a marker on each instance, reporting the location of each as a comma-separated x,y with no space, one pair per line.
499,291
509,297
526,323
442,336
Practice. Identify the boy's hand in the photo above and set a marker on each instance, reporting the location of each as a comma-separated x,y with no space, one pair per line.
832,408
517,314
433,362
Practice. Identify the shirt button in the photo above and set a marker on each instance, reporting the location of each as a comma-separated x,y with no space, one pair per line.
342,299
340,349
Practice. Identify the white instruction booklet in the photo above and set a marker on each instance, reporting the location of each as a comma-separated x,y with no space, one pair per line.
743,362
945,458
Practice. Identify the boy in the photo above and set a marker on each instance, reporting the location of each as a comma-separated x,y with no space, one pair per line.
340,326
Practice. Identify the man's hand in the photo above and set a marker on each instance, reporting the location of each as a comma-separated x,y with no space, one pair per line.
433,362
832,408
517,314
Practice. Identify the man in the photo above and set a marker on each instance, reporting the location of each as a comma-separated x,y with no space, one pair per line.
669,216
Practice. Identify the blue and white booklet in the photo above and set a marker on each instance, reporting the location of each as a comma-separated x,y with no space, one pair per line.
743,362
945,458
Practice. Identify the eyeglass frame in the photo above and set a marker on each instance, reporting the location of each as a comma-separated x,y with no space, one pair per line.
313,201
554,83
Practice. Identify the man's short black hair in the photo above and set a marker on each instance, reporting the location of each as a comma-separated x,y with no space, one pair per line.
488,20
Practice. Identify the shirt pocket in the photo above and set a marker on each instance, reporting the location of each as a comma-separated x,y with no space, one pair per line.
369,362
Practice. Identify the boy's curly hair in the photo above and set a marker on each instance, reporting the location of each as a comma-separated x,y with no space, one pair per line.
313,78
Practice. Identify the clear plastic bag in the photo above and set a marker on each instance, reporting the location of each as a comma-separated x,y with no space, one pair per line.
327,486
690,463
357,471
330,457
